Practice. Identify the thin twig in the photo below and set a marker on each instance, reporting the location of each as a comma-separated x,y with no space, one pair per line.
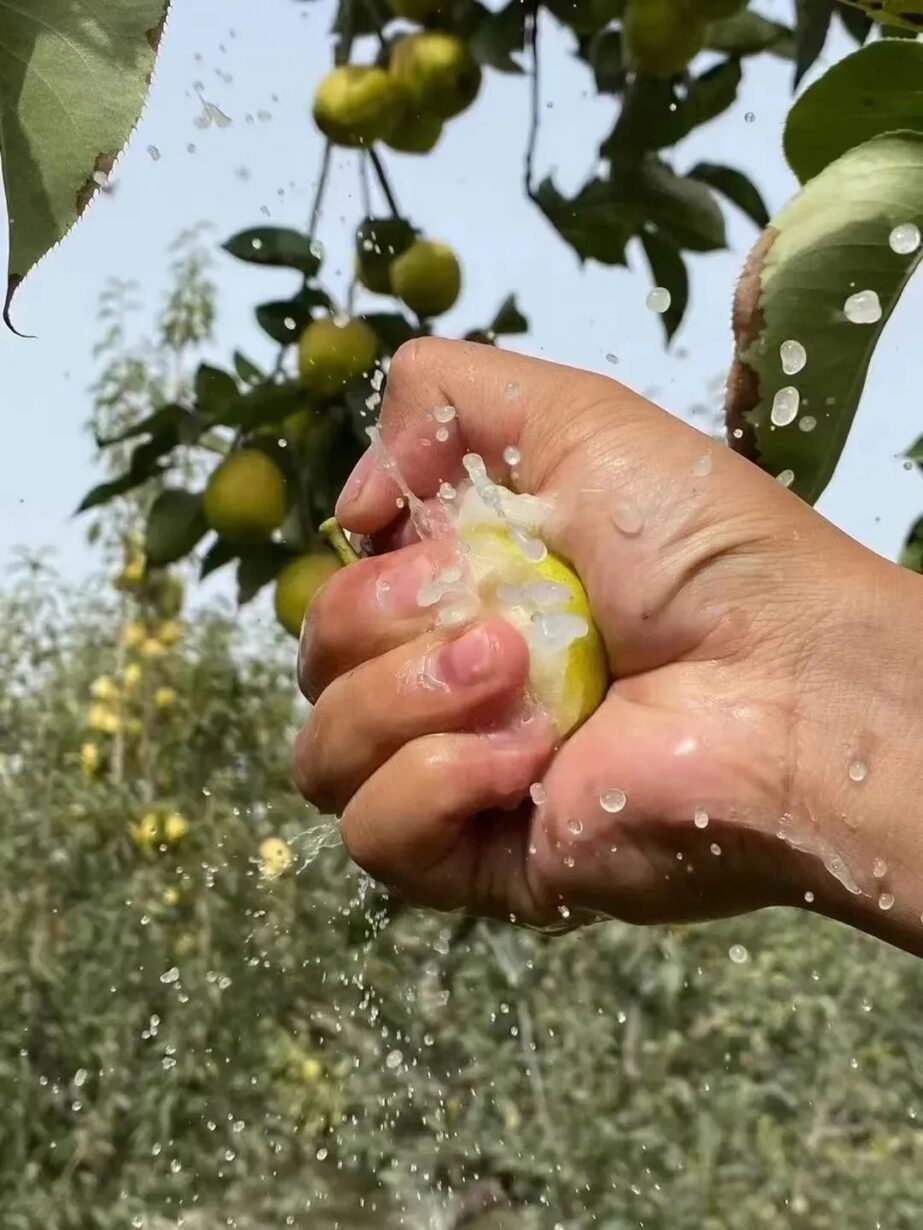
534,103
382,178
320,189
365,187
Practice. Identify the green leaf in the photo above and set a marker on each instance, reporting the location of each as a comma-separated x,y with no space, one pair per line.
264,404
73,79
258,566
277,246
393,328
877,89
915,452
286,319
856,23
498,35
747,33
175,524
247,371
144,465
668,270
812,26
215,390
602,51
597,223
165,417
654,114
911,555
220,553
734,185
683,209
509,319
894,14
830,242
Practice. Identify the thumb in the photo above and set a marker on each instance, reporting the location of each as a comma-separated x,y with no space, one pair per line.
444,399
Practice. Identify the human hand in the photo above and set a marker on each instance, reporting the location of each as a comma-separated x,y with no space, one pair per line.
737,624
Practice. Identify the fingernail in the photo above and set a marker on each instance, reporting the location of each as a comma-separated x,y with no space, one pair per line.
352,488
398,588
465,661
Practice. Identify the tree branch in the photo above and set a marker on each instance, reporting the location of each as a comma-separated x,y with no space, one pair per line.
534,102
381,176
320,189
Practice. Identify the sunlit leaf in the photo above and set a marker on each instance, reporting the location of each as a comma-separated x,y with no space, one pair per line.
877,89
831,242
277,246
73,79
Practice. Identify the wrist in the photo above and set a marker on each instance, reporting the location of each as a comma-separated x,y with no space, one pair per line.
853,828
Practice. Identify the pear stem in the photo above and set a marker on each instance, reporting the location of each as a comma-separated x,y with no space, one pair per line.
333,532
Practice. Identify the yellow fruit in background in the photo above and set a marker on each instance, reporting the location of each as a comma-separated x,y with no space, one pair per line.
332,355
415,133
662,36
275,857
90,758
105,689
175,828
427,277
185,944
146,832
437,71
164,698
418,10
131,676
246,498
297,584
170,896
568,674
169,632
152,648
357,104
102,719
311,1070
133,633
134,727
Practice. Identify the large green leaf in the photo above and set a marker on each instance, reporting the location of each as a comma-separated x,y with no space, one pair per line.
876,89
73,78
175,524
747,33
812,25
668,269
277,246
830,242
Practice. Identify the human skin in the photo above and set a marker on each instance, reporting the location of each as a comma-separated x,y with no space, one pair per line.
758,655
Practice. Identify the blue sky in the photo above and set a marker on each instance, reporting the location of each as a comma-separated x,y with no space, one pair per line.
259,64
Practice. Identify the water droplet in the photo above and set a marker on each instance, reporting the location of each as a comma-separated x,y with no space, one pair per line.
879,868
886,901
575,827
321,1154
613,801
537,793
569,860
809,897
863,308
749,117
628,518
794,356
659,300
611,358
512,455
564,911
171,975
447,491
442,434
394,1059
154,153
905,239
175,1165
807,422
858,771
80,1077
715,848
738,954
785,406
444,414
700,818
511,392
738,433
702,466
785,478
